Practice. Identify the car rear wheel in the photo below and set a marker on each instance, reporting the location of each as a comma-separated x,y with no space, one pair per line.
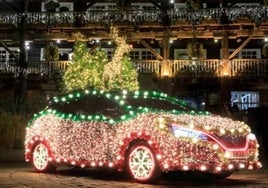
141,163
40,159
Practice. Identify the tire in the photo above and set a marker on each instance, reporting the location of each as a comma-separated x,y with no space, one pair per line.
215,176
40,159
223,175
141,163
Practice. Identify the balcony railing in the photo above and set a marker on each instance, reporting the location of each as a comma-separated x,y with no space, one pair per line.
255,14
195,68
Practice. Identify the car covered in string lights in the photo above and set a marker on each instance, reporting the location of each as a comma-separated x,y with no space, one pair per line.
144,133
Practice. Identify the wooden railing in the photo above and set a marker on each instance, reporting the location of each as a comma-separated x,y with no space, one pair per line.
148,66
196,67
250,67
209,67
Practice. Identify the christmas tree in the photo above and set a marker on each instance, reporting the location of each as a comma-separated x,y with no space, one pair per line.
86,70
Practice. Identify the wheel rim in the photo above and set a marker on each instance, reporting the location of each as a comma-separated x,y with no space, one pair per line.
141,163
40,157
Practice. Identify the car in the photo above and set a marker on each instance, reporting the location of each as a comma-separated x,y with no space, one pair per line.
144,133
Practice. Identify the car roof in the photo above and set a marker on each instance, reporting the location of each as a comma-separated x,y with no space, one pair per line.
120,94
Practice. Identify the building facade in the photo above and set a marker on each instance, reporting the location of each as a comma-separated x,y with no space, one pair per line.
210,53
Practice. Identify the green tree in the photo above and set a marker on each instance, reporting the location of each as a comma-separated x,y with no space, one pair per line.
86,70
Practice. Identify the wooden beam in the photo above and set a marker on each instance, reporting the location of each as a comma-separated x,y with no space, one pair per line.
146,45
94,47
8,50
240,47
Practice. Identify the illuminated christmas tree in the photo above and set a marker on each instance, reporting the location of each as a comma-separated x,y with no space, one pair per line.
86,69
95,71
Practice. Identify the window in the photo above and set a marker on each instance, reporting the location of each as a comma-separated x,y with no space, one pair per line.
109,52
7,57
147,55
179,5
182,54
64,54
246,53
102,6
89,105
135,54
155,104
107,108
248,4
244,99
80,106
63,5
3,56
12,58
142,54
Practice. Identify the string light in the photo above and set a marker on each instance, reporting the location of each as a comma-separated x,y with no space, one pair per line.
95,140
256,13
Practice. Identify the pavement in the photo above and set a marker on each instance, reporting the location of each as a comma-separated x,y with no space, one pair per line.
18,156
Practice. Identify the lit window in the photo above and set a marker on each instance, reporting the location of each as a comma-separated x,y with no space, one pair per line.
3,56
244,99
247,53
11,57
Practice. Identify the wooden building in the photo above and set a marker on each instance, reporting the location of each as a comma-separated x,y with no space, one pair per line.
212,53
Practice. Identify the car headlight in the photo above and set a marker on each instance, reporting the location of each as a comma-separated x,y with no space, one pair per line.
165,124
251,136
181,132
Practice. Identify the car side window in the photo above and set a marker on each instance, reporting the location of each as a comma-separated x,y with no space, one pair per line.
84,105
154,103
107,108
90,105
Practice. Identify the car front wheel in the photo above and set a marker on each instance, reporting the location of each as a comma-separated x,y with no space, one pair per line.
40,159
141,163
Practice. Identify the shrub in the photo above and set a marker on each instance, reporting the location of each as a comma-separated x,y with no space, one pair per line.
12,126
12,130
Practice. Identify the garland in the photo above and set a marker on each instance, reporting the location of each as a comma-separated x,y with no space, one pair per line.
51,52
265,50
195,49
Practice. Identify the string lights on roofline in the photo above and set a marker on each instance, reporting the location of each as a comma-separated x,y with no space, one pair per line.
256,14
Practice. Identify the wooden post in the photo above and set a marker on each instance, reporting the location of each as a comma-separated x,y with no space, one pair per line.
20,90
225,88
166,68
166,83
